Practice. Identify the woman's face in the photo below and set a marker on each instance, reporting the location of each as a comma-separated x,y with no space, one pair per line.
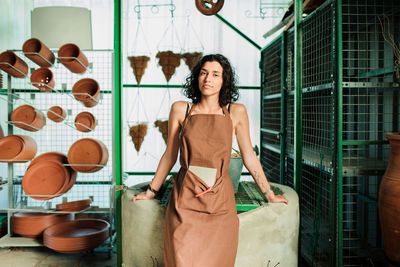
210,78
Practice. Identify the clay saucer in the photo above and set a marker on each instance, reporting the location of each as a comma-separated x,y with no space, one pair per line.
87,119
87,91
45,178
29,148
85,151
59,111
26,114
74,205
76,236
30,224
59,157
10,147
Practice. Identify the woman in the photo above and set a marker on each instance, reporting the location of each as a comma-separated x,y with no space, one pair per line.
201,223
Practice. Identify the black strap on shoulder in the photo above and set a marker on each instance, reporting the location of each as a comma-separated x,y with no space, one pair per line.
229,108
187,110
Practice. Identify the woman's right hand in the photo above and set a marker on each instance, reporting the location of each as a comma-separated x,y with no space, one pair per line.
144,196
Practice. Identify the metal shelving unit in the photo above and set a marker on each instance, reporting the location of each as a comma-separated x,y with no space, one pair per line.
349,100
59,137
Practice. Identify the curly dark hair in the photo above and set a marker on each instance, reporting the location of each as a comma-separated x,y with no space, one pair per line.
229,92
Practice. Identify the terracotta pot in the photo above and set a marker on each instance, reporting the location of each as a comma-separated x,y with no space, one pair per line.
56,114
76,236
73,58
61,158
18,68
139,65
192,58
43,79
138,132
85,87
87,151
74,205
33,224
168,61
38,52
389,205
30,117
45,180
209,7
17,148
85,122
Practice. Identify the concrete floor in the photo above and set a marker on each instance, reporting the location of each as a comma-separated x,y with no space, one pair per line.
45,257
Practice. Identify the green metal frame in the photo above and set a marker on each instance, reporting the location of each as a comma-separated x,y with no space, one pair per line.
118,122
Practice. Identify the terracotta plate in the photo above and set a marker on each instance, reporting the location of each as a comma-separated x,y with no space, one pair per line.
56,109
44,178
74,205
85,151
10,147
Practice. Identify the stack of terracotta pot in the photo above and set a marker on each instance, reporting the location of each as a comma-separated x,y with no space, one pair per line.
87,91
85,122
76,236
48,176
28,118
17,148
88,155
32,224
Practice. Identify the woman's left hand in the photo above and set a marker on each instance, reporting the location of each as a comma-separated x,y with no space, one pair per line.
272,198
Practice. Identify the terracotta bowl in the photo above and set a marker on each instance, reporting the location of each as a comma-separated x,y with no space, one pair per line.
33,224
86,86
74,205
59,111
16,62
45,180
43,79
61,158
68,54
17,148
85,119
87,151
34,45
76,236
30,117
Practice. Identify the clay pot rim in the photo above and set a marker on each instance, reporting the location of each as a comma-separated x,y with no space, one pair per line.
29,42
82,81
6,54
28,175
81,142
53,231
64,48
20,109
10,138
48,86
74,205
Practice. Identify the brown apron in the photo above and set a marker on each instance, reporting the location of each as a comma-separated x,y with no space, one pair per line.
201,223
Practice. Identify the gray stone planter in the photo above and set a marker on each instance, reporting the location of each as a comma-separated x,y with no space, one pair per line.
235,170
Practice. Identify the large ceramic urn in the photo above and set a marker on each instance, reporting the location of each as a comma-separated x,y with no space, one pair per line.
389,201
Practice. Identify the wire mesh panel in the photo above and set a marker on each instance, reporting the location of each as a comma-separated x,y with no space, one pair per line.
290,59
271,165
271,68
272,114
58,137
317,47
370,30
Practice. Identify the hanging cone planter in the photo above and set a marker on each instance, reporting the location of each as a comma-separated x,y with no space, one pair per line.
138,132
163,128
169,61
139,65
192,58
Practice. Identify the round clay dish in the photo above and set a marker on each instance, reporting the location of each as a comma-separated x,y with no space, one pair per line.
44,178
87,119
58,110
85,151
74,205
26,114
10,147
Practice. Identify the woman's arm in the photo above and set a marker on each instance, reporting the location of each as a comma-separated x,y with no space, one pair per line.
241,128
176,117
